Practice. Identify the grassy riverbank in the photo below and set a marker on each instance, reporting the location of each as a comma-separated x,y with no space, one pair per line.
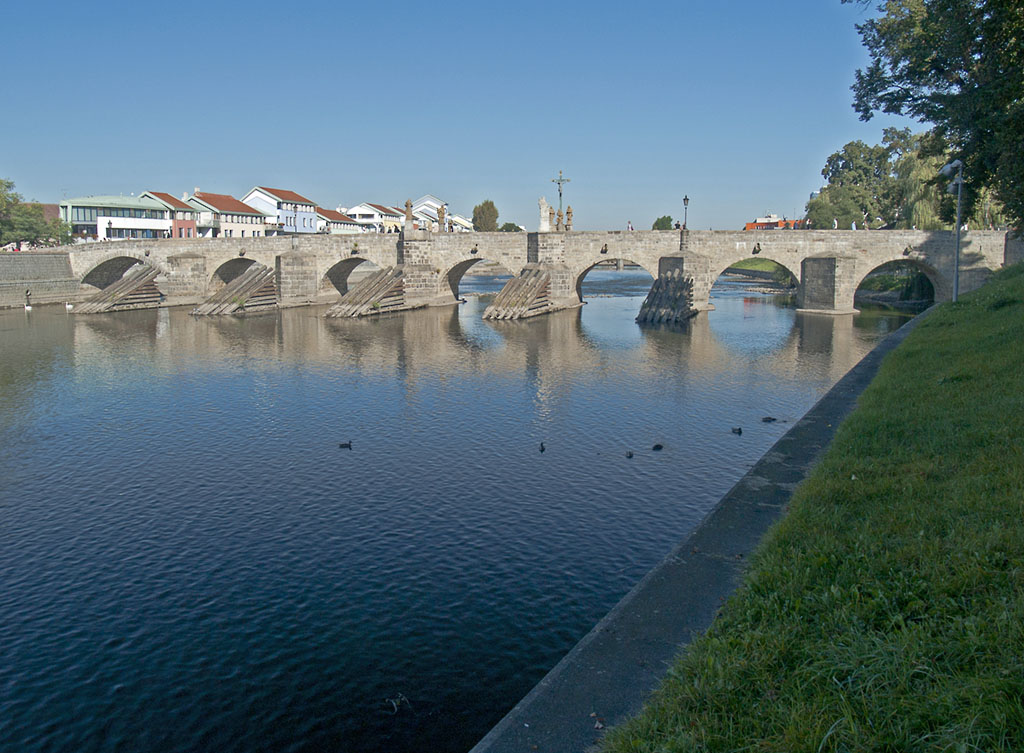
886,611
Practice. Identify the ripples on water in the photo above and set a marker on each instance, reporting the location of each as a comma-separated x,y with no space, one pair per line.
188,561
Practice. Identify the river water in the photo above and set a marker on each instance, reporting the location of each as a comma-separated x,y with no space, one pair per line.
190,562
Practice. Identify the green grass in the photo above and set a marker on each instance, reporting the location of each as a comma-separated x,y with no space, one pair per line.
886,611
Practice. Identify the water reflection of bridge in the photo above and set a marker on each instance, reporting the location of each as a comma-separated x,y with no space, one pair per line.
435,343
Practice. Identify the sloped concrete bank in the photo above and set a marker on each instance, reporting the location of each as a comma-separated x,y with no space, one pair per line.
610,673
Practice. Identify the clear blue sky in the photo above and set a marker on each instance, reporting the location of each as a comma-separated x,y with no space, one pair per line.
736,104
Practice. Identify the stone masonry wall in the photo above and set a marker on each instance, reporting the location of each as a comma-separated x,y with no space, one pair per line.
48,275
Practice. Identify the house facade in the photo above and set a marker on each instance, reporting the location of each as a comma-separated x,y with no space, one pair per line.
376,218
333,222
222,216
182,216
288,211
116,217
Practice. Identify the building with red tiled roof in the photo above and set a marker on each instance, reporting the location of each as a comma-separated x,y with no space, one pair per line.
288,211
335,223
182,216
377,218
224,216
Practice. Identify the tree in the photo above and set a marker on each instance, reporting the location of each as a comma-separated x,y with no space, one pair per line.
485,217
23,222
662,223
956,64
509,227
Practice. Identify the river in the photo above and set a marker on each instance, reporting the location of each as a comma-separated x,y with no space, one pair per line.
190,561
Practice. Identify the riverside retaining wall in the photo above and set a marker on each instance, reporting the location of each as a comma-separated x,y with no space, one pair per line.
47,274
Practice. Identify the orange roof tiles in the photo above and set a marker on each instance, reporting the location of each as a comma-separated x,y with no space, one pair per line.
284,195
330,214
222,202
168,199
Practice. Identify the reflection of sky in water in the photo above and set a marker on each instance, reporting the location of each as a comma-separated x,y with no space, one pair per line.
181,529
753,324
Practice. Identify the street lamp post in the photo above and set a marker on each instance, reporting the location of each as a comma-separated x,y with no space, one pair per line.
110,229
686,205
958,181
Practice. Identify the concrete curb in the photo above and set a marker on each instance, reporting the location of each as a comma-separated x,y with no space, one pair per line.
612,671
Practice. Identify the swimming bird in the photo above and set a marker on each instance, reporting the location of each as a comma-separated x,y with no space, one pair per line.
542,447
68,306
657,448
768,419
345,445
737,430
629,453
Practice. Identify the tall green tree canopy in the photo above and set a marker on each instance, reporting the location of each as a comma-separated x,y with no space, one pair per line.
485,217
510,227
958,64
23,222
893,185
662,223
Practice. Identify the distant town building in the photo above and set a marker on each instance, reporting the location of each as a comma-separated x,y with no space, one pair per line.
376,218
182,216
424,213
774,222
116,217
224,216
288,211
335,223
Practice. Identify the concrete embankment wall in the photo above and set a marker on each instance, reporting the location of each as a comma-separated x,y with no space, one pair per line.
47,274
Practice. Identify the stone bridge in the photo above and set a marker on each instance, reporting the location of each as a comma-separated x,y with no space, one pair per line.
827,264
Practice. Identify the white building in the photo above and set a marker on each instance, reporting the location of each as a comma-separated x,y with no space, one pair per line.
376,218
288,211
335,223
224,216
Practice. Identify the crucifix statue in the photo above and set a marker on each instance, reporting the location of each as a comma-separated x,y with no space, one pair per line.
560,180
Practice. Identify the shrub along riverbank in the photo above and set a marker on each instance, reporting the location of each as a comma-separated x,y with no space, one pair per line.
886,611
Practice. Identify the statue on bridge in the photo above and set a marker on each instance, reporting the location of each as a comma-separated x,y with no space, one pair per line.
408,213
568,218
545,224
559,226
440,219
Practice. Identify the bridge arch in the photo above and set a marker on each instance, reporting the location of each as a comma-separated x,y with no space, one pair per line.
935,278
228,271
112,269
580,274
782,260
338,275
456,272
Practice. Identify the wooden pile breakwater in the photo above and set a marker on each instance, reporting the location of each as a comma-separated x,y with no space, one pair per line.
380,293
669,301
522,297
255,290
135,290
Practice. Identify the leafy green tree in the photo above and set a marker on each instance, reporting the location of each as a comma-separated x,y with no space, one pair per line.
510,227
24,222
956,64
662,223
485,217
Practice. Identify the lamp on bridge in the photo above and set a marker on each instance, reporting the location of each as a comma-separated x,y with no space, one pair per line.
947,170
686,204
110,229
